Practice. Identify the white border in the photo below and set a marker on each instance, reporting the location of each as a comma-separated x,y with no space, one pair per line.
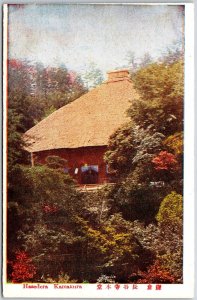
185,290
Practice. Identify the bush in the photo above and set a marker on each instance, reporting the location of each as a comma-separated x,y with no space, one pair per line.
111,249
23,268
171,211
156,274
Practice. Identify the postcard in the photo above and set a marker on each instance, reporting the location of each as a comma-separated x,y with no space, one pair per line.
98,150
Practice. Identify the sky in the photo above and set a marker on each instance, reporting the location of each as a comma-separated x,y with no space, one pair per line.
78,35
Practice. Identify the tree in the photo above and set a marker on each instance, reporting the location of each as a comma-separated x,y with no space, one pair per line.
175,143
27,108
23,268
16,154
138,200
57,86
134,63
171,211
19,76
155,274
170,219
42,201
173,53
145,60
97,205
93,76
131,146
138,153
42,211
161,89
34,90
56,162
111,248
165,161
120,151
165,243
131,61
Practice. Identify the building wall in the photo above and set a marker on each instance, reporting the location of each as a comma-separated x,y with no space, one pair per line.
76,158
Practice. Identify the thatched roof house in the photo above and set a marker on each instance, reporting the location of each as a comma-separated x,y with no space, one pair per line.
79,131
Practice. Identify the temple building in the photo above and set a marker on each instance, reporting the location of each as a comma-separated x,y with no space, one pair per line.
79,132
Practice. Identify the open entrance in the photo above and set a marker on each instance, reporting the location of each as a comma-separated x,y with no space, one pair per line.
89,174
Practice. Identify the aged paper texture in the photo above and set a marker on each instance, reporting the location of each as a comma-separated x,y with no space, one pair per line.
98,130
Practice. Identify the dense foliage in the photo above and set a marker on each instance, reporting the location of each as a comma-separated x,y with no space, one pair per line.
23,269
146,156
127,232
161,88
34,91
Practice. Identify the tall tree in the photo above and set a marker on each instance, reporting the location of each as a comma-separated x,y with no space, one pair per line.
93,76
161,90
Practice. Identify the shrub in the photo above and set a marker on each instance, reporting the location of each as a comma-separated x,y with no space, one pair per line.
156,274
165,161
171,210
23,268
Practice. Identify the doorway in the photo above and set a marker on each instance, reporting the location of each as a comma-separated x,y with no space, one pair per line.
89,174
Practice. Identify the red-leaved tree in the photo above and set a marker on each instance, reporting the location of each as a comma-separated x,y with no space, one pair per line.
165,161
23,268
156,274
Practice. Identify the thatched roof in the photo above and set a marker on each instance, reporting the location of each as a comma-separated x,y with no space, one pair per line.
87,121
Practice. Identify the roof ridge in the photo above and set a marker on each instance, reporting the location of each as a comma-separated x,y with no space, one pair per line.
117,79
